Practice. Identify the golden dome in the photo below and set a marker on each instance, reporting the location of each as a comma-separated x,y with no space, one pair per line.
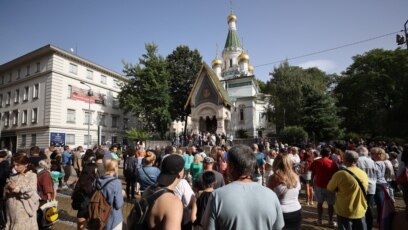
243,57
251,68
232,17
216,61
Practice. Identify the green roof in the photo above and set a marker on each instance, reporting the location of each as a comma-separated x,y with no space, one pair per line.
232,40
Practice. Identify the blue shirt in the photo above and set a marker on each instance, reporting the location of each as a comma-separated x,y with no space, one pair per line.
66,159
147,176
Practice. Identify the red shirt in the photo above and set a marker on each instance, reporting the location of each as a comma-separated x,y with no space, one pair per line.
45,185
322,171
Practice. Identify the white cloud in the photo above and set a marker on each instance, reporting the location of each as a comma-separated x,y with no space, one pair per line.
325,65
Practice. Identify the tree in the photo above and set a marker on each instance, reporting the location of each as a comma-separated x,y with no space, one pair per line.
374,93
285,88
319,115
136,134
294,135
146,94
183,66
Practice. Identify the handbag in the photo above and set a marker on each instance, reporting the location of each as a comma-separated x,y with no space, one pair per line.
50,212
403,177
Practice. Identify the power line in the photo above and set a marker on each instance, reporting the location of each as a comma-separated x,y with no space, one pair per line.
327,50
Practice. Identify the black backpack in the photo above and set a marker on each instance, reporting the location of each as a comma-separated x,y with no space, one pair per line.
137,218
84,188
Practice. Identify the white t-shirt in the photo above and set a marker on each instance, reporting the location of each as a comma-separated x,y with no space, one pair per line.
288,198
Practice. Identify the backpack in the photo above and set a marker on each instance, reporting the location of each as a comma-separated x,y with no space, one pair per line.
99,209
84,188
141,209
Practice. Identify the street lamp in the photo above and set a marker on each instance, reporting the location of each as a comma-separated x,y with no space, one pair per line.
89,110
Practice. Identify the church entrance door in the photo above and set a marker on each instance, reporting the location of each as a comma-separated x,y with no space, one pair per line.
208,124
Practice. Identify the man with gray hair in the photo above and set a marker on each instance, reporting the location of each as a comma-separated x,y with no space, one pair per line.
350,185
366,164
241,204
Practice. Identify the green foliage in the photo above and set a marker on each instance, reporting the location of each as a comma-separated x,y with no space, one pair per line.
319,115
242,133
355,137
261,85
374,93
183,66
146,94
293,134
136,134
285,88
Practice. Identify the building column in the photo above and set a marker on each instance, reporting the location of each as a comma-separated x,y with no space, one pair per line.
195,125
220,126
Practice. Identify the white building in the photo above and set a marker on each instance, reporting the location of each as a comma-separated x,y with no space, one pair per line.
44,100
226,98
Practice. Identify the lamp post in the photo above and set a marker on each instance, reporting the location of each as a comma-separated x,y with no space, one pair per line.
89,110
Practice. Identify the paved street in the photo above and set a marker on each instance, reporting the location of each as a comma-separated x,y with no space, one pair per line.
68,215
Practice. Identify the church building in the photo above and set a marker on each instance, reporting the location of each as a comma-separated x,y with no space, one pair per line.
225,99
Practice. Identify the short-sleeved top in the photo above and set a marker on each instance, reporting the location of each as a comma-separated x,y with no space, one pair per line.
350,199
258,207
195,170
66,159
260,161
368,166
188,159
322,170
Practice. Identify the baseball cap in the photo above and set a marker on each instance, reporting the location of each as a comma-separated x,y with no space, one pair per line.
208,160
170,168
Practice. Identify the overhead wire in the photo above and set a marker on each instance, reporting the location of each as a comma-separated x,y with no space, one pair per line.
330,49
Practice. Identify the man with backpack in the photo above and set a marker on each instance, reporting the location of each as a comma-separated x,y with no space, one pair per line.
159,208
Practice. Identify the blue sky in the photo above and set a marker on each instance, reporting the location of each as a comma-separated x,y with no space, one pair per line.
107,32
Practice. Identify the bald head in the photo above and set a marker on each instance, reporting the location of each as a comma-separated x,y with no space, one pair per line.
350,157
362,151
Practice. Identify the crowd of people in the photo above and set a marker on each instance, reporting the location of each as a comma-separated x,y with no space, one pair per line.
225,187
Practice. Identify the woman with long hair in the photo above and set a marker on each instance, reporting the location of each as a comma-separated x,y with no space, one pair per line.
22,200
285,183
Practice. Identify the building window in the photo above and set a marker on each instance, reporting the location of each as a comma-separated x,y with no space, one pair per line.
2,80
103,139
73,68
38,67
241,114
9,78
116,84
25,95
35,91
70,116
230,62
115,103
17,96
1,100
88,118
28,70
69,92
34,115
23,140
15,117
70,139
87,139
6,119
89,74
102,119
33,139
8,98
103,79
115,121
18,73
125,123
24,117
